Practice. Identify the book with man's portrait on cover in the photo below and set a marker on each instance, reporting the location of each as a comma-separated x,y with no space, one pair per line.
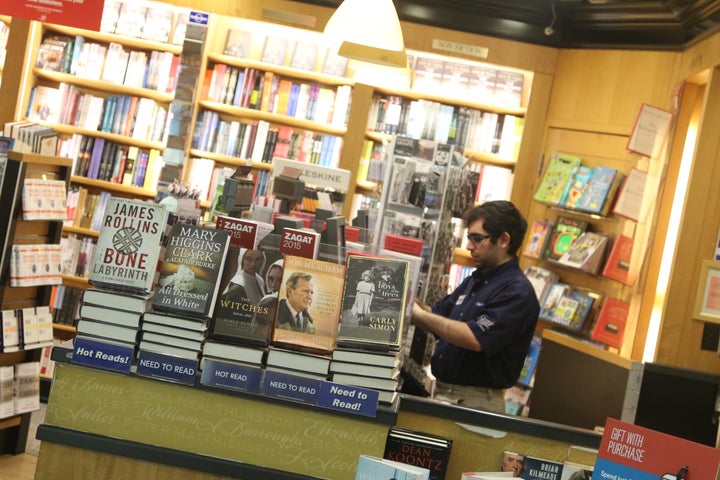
308,305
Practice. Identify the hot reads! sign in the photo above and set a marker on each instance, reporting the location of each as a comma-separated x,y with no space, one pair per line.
629,452
73,13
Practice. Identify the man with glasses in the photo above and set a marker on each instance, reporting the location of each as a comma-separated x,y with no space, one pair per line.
484,327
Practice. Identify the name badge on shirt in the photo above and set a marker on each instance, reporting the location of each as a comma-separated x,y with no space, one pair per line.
460,300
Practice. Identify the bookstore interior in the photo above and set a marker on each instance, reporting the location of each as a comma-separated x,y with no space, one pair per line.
218,223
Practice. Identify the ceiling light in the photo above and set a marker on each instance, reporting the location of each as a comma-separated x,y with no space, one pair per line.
369,31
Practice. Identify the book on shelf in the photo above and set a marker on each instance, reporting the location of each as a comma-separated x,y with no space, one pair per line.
555,181
304,56
630,201
527,372
419,448
44,199
565,231
389,359
427,74
274,50
53,52
129,302
481,83
364,370
374,383
587,301
191,270
173,331
172,340
373,302
618,264
110,315
168,350
586,253
541,469
538,235
309,304
158,23
611,321
44,105
131,19
551,300
299,242
576,471
233,352
128,245
177,321
282,358
599,190
7,387
371,468
107,331
10,331
237,43
579,183
334,64
27,387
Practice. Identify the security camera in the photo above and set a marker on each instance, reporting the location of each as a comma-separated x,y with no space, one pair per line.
549,31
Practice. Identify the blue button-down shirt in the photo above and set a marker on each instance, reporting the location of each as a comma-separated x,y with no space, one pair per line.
501,308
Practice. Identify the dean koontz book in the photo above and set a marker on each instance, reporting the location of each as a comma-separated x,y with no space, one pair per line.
373,304
191,270
128,245
309,304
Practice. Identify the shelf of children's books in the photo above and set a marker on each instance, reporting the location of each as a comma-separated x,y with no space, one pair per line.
116,187
309,75
85,232
103,85
111,37
274,118
490,159
449,100
75,281
112,137
230,161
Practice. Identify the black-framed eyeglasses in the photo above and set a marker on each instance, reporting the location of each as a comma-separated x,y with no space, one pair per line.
476,237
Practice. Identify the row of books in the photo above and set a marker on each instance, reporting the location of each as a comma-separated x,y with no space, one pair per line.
65,304
35,264
305,55
269,92
108,62
136,117
85,209
19,388
467,128
583,311
599,190
568,242
26,328
43,199
147,20
29,137
481,83
261,142
76,254
100,159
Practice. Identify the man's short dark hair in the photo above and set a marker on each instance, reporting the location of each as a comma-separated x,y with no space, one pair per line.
499,216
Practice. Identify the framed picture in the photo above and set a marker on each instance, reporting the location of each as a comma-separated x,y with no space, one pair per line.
707,303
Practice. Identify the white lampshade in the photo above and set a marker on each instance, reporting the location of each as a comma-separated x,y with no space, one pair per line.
369,31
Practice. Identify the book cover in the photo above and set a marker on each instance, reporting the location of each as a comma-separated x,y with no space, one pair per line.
578,186
541,279
374,468
555,292
7,381
538,235
630,202
586,252
335,64
274,50
299,242
512,462
237,43
27,387
563,234
158,24
304,56
309,304
128,246
576,471
302,361
420,449
541,469
617,265
611,320
190,272
373,302
427,74
596,193
556,179
586,302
